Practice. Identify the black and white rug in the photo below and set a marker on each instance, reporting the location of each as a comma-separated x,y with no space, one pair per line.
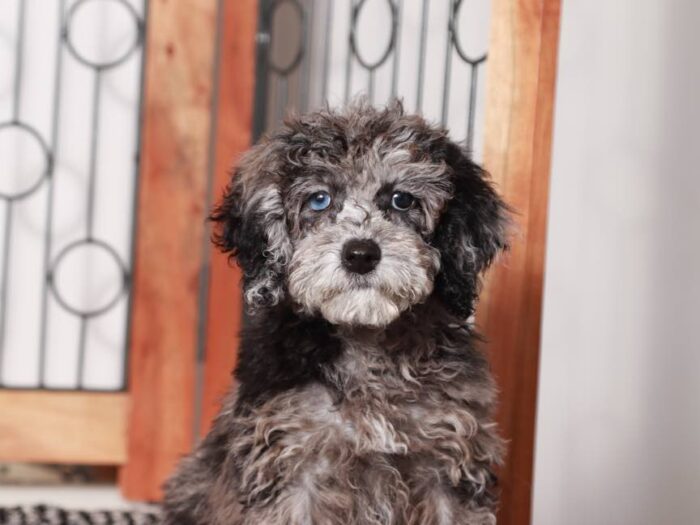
48,515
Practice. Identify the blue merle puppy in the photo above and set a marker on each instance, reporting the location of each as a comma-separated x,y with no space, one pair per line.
361,396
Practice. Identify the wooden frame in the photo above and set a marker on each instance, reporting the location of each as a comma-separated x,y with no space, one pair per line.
517,150
180,47
180,116
63,427
233,135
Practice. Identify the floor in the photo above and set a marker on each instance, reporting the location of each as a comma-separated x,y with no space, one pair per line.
71,497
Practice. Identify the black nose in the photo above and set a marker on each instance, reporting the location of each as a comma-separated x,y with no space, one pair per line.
361,255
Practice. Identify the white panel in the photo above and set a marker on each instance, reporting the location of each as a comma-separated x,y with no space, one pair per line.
84,106
618,427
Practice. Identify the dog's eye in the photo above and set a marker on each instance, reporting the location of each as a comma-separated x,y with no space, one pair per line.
319,201
402,201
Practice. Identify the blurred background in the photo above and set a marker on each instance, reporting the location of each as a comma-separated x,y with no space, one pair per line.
118,323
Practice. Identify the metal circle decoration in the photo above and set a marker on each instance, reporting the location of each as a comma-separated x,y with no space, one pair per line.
69,259
22,133
82,53
353,36
285,68
454,33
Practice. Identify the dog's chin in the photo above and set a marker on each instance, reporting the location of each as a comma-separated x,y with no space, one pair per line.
366,307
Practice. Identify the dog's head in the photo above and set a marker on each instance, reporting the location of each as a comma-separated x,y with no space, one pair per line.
358,216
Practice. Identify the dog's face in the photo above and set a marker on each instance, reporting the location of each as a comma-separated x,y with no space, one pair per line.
359,216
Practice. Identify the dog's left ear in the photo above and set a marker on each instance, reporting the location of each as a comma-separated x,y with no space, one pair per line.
472,230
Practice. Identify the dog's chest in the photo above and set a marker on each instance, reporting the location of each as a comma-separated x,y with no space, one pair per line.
401,405
403,428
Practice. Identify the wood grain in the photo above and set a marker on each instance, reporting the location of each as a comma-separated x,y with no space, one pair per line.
180,52
63,427
233,136
518,136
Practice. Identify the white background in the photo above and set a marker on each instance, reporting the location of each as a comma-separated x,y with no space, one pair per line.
618,434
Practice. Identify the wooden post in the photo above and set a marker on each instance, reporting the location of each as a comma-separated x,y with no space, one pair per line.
233,136
180,53
518,136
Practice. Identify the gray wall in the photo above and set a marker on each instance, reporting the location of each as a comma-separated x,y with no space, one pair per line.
618,433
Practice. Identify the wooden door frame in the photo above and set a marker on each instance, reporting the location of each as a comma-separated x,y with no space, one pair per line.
517,151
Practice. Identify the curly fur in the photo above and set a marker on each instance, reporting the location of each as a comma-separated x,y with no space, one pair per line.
360,399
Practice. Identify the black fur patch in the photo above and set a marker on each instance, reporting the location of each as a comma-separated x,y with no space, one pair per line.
471,232
281,350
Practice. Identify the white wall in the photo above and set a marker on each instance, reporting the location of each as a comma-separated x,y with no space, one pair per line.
618,434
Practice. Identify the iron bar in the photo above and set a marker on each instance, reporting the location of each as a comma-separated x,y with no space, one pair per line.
19,55
94,145
447,80
348,63
472,105
4,281
306,61
421,55
48,230
397,51
327,51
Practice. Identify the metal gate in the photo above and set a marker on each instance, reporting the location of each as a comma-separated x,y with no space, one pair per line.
431,54
69,117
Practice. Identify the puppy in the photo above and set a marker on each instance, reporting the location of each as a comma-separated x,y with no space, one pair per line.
361,396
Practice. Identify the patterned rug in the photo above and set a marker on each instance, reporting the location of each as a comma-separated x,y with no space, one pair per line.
45,515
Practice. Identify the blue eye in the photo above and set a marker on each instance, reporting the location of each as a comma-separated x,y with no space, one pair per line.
402,201
319,201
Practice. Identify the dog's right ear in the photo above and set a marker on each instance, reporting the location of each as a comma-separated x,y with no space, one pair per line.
250,226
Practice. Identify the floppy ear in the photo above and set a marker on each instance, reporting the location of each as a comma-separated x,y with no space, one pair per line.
251,226
471,232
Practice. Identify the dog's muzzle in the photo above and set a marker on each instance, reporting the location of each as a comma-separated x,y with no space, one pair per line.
361,255
361,276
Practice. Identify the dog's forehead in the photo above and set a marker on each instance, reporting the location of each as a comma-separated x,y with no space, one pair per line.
365,169
362,154
373,168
